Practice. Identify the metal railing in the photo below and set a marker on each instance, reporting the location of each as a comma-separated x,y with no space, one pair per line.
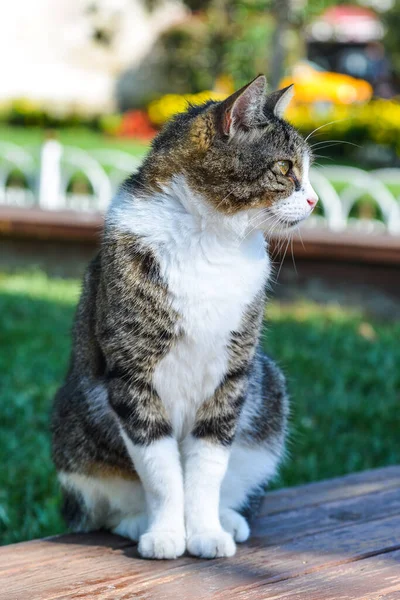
47,177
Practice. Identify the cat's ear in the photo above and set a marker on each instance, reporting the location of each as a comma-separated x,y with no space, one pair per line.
277,102
244,109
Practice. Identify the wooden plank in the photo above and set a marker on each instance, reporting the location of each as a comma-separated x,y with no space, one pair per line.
290,524
312,540
93,567
330,490
40,224
375,578
347,246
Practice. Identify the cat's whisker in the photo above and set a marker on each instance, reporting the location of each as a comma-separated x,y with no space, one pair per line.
274,225
301,239
277,248
322,156
320,145
283,259
281,246
225,198
257,225
280,243
325,125
291,247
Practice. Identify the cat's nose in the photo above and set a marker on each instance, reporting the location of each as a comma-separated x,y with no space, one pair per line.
312,201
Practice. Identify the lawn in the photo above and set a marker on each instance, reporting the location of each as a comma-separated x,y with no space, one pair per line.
342,370
80,137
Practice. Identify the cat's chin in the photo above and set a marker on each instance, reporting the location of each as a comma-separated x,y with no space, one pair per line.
280,227
290,225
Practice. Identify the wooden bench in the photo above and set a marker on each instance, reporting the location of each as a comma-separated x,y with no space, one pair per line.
333,540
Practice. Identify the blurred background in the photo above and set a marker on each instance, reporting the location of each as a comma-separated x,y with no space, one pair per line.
85,86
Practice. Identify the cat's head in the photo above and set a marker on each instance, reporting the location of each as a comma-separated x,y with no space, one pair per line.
240,155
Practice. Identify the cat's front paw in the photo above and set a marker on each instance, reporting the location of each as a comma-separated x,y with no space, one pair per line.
211,544
235,524
162,544
132,527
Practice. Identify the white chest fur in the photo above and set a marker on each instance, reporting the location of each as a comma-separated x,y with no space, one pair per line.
212,282
212,275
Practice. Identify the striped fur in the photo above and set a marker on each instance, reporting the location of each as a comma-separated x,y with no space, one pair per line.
171,419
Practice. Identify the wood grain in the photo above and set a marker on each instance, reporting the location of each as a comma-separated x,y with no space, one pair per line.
334,540
35,223
337,488
375,578
289,524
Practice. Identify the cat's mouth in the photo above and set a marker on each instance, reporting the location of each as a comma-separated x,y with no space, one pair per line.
289,223
283,227
292,223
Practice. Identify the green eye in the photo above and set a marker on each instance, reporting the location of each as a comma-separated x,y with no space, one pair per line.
284,166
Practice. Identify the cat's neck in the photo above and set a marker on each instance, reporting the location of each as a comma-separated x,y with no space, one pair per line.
178,217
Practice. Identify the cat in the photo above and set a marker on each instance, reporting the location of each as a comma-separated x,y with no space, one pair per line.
171,419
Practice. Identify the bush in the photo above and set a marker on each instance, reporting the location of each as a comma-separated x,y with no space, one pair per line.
164,108
192,56
246,52
377,122
24,112
359,126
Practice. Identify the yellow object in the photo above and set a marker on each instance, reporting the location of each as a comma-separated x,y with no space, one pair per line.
164,108
313,85
377,121
224,85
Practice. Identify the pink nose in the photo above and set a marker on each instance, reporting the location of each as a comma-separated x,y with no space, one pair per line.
312,202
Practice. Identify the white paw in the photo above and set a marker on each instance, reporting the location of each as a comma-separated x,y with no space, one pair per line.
162,544
132,527
211,544
235,524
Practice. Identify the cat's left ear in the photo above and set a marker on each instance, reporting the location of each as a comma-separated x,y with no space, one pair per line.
244,109
277,102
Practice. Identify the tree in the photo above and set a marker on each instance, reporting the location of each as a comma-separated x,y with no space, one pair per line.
391,20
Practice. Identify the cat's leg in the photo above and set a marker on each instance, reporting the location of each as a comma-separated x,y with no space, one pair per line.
93,502
249,470
158,465
146,432
100,487
206,454
132,526
258,446
136,327
150,507
205,467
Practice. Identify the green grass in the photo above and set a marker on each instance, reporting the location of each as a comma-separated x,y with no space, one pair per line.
342,371
79,136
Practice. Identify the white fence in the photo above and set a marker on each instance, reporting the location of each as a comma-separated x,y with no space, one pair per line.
58,177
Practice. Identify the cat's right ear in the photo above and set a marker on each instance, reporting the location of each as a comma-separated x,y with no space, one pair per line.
244,109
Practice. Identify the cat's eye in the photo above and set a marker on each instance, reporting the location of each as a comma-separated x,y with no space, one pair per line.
284,166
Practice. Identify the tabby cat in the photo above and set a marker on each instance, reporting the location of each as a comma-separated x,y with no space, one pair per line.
171,419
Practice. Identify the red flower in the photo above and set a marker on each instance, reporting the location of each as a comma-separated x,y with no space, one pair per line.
135,123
